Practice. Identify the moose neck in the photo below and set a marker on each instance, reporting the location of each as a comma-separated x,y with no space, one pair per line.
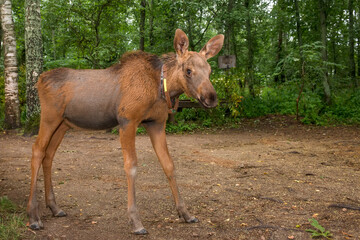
172,80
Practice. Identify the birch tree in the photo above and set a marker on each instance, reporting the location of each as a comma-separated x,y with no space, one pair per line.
34,55
12,109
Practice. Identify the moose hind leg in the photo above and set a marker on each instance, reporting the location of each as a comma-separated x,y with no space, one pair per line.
158,140
46,131
33,206
47,164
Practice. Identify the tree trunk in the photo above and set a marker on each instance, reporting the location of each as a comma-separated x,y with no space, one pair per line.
229,28
298,30
12,106
335,60
358,58
151,24
249,40
280,78
34,55
358,45
351,43
53,44
189,32
323,29
142,25
302,61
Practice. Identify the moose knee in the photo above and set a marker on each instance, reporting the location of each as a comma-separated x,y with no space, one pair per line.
169,169
38,153
130,170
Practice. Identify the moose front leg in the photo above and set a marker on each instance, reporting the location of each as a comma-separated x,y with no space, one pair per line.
158,140
127,139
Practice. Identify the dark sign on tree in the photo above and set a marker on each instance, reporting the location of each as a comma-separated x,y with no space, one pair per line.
227,61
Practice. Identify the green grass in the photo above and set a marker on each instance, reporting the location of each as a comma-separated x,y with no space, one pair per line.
11,220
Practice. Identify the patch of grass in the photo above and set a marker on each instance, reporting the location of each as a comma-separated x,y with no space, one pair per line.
319,230
141,130
11,220
182,126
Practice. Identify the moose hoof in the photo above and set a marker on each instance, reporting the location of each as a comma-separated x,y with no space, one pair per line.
36,225
61,213
193,220
141,232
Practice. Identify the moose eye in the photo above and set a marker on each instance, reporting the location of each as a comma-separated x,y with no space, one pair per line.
188,72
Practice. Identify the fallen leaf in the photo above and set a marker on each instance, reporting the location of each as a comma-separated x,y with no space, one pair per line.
344,233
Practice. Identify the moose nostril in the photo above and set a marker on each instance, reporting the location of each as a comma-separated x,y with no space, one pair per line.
211,100
212,97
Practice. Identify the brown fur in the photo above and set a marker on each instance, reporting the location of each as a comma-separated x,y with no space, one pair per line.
126,94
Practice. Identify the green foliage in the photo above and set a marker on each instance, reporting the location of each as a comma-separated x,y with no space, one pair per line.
11,220
94,34
280,100
277,100
343,110
32,125
319,230
85,33
182,126
68,63
6,205
141,130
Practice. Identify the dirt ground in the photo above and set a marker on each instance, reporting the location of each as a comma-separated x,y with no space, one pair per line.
263,180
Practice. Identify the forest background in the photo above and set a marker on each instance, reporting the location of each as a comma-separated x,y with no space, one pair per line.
293,57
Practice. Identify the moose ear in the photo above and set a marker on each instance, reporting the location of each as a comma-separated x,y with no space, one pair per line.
213,46
181,42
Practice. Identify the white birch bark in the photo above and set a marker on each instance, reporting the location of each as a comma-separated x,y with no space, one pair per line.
12,109
34,55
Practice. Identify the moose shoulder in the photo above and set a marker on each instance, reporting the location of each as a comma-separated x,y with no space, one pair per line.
135,91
